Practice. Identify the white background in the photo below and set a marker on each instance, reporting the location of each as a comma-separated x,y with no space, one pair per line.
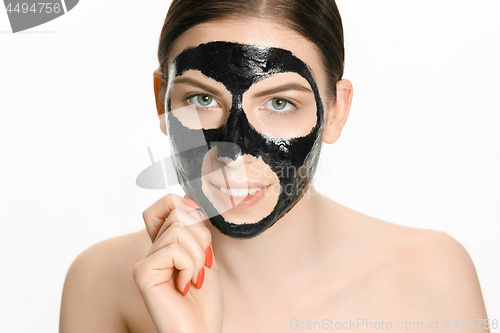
420,148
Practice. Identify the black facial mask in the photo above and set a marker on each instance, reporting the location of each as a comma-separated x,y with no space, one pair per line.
294,160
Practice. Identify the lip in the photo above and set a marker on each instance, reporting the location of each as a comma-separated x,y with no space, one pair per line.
239,184
241,203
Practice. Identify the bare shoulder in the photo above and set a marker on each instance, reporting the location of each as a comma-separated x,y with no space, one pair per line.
109,258
436,277
427,273
105,252
99,286
440,276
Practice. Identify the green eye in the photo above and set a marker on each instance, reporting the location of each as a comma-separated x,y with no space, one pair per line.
279,104
205,100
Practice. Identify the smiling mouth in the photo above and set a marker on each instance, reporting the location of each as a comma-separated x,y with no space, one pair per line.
240,198
240,192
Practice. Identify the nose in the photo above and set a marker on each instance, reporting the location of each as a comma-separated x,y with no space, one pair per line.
231,163
234,163
229,154
228,150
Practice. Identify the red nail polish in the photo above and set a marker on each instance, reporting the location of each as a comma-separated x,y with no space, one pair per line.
208,257
189,202
199,280
186,288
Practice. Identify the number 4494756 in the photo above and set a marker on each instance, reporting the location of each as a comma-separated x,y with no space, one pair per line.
40,7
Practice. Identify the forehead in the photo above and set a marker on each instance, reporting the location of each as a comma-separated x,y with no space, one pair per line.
239,66
260,32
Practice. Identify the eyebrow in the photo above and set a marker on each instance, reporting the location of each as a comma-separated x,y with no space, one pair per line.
197,84
284,87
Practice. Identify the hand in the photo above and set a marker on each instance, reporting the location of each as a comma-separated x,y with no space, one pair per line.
178,277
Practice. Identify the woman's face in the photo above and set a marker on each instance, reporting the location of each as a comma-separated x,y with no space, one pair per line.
244,99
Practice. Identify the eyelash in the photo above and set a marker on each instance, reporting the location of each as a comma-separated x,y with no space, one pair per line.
274,111
199,94
281,112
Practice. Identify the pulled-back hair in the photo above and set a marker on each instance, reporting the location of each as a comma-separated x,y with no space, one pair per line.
317,20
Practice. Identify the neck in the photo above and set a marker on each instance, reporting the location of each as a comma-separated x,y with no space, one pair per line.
269,259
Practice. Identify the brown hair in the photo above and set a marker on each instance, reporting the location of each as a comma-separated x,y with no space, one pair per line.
317,20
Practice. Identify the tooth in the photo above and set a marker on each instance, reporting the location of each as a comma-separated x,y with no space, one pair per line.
237,192
234,192
253,190
242,192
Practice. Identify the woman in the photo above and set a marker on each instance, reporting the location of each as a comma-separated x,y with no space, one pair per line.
247,92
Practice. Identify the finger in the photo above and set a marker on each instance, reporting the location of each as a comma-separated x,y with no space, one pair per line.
204,235
159,268
195,237
198,211
177,233
185,218
154,216
190,202
195,224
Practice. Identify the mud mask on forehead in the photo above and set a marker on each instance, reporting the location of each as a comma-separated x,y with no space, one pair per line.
293,160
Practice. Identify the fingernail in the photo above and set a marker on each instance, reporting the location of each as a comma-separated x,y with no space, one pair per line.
190,203
199,280
208,257
186,288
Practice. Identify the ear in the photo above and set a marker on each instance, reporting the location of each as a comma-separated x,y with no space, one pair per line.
337,112
160,102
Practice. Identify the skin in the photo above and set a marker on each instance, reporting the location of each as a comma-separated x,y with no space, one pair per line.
321,261
302,117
